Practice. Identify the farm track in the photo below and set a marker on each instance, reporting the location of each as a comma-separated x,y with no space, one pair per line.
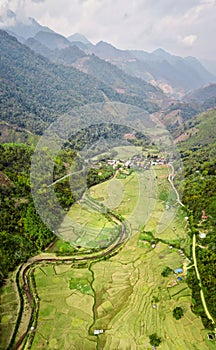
200,283
26,269
202,296
65,176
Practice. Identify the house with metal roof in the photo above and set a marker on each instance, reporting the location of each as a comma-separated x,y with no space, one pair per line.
179,270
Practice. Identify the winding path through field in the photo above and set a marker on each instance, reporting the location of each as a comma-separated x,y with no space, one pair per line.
44,257
172,184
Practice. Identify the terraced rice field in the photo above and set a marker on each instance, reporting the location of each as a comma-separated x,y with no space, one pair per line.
110,193
119,296
133,197
166,220
125,296
65,313
90,228
126,287
8,311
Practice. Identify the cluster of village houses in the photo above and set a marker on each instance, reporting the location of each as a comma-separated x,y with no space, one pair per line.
137,162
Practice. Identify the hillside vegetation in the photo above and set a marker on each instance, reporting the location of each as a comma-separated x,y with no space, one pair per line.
34,91
199,159
22,233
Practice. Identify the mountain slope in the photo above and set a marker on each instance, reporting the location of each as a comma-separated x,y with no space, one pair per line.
34,91
205,96
116,78
52,40
104,71
160,66
66,56
172,73
107,51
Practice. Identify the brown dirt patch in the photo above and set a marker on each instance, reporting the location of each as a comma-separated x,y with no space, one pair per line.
4,180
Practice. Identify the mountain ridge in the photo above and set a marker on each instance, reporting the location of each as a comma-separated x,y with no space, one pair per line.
35,91
21,28
174,74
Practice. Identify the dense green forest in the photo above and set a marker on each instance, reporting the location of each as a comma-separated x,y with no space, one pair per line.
199,195
22,233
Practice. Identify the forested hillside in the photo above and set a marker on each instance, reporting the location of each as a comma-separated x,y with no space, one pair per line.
199,159
22,233
205,96
104,71
34,91
117,78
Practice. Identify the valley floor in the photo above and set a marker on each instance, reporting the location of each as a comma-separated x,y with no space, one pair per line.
124,295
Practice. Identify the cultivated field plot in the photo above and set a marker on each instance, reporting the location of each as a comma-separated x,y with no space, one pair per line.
126,152
110,193
123,152
88,227
8,312
125,296
166,220
66,301
133,301
133,197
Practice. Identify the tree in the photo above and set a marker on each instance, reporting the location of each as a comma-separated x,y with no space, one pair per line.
178,313
154,339
166,271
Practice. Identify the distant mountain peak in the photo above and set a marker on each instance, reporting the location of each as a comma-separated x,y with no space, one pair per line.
7,17
162,53
77,37
104,43
24,27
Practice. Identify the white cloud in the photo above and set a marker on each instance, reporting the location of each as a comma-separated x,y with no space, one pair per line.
189,40
184,27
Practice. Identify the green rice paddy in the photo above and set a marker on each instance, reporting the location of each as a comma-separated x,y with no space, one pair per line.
117,296
8,311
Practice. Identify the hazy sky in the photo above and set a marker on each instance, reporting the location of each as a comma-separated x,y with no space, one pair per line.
184,27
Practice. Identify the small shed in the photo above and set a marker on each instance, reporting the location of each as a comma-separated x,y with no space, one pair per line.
179,270
98,331
127,163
